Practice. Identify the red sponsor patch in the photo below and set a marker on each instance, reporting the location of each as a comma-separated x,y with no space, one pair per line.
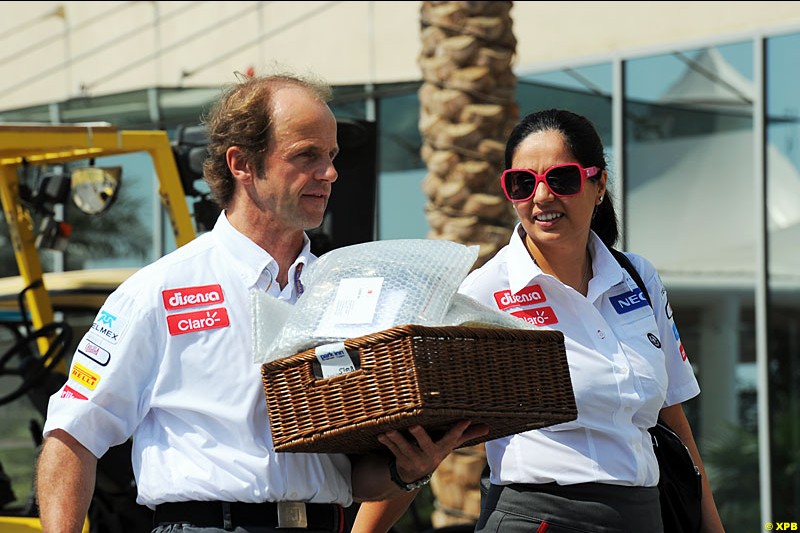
683,352
528,296
192,296
198,321
539,316
69,392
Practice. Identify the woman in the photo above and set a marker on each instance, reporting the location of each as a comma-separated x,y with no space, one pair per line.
597,473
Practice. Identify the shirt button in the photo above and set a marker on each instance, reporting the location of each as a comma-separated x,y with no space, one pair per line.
628,410
601,333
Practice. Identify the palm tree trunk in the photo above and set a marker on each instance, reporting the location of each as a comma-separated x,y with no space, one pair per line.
467,109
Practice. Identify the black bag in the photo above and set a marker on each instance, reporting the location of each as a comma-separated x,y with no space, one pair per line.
680,484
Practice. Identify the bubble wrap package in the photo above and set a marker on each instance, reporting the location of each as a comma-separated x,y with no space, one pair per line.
466,311
364,288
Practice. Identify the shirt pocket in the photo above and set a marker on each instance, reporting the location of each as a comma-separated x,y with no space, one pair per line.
642,347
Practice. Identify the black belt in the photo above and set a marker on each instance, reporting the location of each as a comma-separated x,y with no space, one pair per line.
228,515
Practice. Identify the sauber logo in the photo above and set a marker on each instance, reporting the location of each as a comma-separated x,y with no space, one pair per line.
654,340
198,321
69,392
192,296
527,296
84,376
540,316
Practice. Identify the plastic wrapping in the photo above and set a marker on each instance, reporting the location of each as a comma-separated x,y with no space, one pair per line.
361,289
466,311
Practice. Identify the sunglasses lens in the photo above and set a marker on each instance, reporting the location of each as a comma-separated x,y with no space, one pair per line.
564,181
519,184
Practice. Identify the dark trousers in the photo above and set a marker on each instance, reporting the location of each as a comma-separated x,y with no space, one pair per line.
582,508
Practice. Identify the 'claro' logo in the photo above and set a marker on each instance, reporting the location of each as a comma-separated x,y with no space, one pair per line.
198,321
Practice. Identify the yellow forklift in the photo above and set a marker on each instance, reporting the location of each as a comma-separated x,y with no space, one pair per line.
36,338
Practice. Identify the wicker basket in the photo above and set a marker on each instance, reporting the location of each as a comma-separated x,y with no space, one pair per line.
513,380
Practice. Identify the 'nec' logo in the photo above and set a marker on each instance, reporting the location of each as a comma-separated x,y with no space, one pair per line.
627,302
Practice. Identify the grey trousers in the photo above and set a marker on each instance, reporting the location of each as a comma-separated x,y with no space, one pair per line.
582,508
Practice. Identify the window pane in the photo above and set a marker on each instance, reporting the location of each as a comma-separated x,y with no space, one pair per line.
689,190
585,90
401,202
783,224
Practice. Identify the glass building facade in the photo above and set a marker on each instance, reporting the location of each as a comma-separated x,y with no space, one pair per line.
703,146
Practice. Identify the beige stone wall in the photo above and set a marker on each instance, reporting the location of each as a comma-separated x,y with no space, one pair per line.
575,30
49,54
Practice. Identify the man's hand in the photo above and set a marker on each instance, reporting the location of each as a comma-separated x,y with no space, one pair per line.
414,459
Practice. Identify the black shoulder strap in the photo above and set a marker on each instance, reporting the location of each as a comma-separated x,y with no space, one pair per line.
623,260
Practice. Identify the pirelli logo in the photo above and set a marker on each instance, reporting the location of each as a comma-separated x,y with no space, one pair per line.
84,376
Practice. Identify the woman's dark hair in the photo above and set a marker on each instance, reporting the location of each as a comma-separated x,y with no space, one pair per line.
243,117
583,142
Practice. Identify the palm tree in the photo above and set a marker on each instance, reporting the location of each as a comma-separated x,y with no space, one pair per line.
467,109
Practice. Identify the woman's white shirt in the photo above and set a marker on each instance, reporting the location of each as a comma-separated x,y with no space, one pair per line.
626,362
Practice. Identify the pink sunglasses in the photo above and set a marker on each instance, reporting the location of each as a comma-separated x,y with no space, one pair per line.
519,184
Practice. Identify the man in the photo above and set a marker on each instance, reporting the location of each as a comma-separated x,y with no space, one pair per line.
169,360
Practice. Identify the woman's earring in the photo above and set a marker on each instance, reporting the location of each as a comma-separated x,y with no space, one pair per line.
601,200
